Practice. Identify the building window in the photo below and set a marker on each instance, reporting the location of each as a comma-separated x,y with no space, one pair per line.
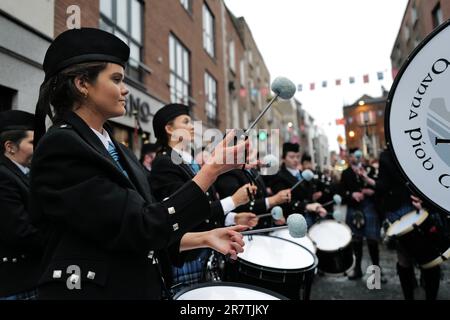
252,90
210,97
242,72
232,56
187,4
438,19
7,96
406,32
250,57
414,14
179,72
124,18
208,31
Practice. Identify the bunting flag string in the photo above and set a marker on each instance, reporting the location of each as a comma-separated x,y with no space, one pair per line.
365,79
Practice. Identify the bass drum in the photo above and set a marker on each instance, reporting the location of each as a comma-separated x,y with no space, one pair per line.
334,246
276,264
227,291
421,238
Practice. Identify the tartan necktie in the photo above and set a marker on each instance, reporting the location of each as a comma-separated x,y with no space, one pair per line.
195,166
113,153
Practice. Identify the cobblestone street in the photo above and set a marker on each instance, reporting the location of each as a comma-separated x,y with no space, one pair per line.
340,288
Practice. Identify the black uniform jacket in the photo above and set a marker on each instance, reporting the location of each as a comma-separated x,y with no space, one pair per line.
351,182
20,242
391,186
299,196
99,222
166,177
228,183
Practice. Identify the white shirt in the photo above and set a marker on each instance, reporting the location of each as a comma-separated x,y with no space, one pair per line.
294,172
104,137
24,170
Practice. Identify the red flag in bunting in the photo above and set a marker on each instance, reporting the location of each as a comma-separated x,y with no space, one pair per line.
243,92
366,78
340,122
338,82
312,86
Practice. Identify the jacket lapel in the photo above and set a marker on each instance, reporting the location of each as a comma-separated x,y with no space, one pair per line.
15,170
288,176
134,170
89,136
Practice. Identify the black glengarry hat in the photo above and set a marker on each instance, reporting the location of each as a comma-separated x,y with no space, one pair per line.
73,47
290,147
16,120
84,45
166,114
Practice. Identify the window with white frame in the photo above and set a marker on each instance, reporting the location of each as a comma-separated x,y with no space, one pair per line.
179,71
187,4
438,18
250,57
208,31
210,97
414,14
251,90
242,72
232,56
124,18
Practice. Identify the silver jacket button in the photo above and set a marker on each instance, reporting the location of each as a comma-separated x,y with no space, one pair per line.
175,227
91,275
171,210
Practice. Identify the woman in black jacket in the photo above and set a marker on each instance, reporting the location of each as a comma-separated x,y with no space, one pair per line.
173,166
91,195
20,242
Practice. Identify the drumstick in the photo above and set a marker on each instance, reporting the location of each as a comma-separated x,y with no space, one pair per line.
307,175
336,199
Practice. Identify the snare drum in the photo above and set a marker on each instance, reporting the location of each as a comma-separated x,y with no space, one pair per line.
227,291
334,246
421,238
305,241
276,264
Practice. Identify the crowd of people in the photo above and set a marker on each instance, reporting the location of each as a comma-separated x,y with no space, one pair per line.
82,218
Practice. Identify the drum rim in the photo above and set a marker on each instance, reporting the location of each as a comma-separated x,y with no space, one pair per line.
387,129
278,270
229,284
438,261
411,227
338,249
306,236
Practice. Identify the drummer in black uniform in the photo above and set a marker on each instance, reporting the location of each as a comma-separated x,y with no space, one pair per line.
173,166
261,202
20,242
91,195
357,189
288,175
397,201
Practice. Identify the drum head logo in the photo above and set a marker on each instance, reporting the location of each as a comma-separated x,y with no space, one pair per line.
418,118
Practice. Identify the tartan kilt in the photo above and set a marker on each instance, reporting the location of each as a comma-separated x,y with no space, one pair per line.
192,272
372,226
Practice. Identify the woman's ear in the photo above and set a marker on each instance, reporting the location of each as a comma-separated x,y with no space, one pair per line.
10,147
81,85
169,129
